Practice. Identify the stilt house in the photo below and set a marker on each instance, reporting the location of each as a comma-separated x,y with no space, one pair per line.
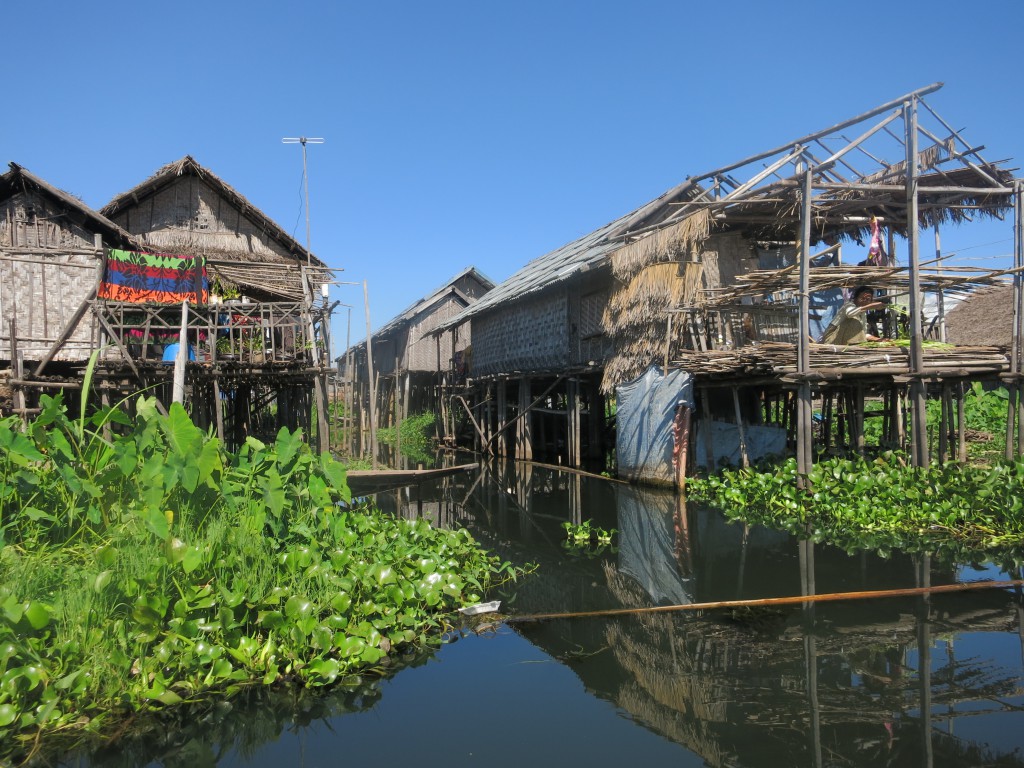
705,305
410,363
51,256
187,265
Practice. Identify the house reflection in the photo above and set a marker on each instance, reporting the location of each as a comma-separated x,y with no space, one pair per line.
749,686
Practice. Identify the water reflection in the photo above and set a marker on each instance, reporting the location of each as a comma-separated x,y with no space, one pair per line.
916,680
923,681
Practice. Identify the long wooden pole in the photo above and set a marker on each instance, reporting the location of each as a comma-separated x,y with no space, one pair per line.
370,381
181,359
804,433
769,601
919,422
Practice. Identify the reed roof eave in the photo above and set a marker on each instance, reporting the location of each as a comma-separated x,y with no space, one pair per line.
18,178
187,165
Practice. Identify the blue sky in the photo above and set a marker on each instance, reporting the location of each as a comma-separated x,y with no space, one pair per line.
477,133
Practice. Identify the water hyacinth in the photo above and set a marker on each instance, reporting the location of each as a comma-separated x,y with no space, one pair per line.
142,566
882,503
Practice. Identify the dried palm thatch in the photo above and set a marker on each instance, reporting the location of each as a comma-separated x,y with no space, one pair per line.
985,318
669,243
636,316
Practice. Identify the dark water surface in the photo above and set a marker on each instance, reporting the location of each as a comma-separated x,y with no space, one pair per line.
912,681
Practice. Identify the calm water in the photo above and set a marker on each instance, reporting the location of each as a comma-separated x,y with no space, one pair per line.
900,681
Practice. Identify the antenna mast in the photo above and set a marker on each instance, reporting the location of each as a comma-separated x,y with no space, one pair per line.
305,179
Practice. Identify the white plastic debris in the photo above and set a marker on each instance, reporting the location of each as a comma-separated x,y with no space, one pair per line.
476,610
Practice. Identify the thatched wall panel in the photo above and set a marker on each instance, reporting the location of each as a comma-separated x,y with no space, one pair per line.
33,221
191,217
47,267
637,314
732,256
43,292
531,335
422,351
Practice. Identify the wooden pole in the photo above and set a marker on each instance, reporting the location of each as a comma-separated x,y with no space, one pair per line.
744,457
770,601
919,424
939,297
16,369
181,359
1018,310
524,427
705,415
499,435
804,434
370,380
961,429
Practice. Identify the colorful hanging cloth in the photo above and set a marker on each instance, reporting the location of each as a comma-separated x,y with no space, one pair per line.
876,256
154,278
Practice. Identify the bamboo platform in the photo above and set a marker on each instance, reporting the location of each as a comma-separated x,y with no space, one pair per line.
835,362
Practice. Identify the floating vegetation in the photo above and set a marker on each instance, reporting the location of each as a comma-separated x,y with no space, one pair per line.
142,566
960,512
586,538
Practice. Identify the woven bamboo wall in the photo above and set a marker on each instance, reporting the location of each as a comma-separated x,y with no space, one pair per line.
725,256
422,352
530,335
190,217
590,344
47,268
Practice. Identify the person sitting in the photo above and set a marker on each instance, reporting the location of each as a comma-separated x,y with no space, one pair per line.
849,326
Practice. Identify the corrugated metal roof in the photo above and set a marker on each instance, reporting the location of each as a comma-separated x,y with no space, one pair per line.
581,255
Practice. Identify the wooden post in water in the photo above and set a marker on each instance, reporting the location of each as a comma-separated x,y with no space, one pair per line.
370,380
709,450
572,416
178,392
919,423
499,438
961,427
744,457
804,433
1015,407
524,427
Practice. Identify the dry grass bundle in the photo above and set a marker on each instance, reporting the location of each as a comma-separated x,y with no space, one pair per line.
636,317
668,243
646,297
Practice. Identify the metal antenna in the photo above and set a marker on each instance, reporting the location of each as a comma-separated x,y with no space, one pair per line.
305,178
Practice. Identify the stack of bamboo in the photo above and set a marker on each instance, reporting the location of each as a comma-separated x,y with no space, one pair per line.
950,280
780,359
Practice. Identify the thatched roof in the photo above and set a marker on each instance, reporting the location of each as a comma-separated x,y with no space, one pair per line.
986,318
263,273
17,179
187,166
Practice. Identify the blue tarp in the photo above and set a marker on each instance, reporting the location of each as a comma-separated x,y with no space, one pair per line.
725,443
646,409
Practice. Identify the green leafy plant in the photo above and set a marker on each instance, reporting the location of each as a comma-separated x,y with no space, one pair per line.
414,433
958,513
587,538
143,566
